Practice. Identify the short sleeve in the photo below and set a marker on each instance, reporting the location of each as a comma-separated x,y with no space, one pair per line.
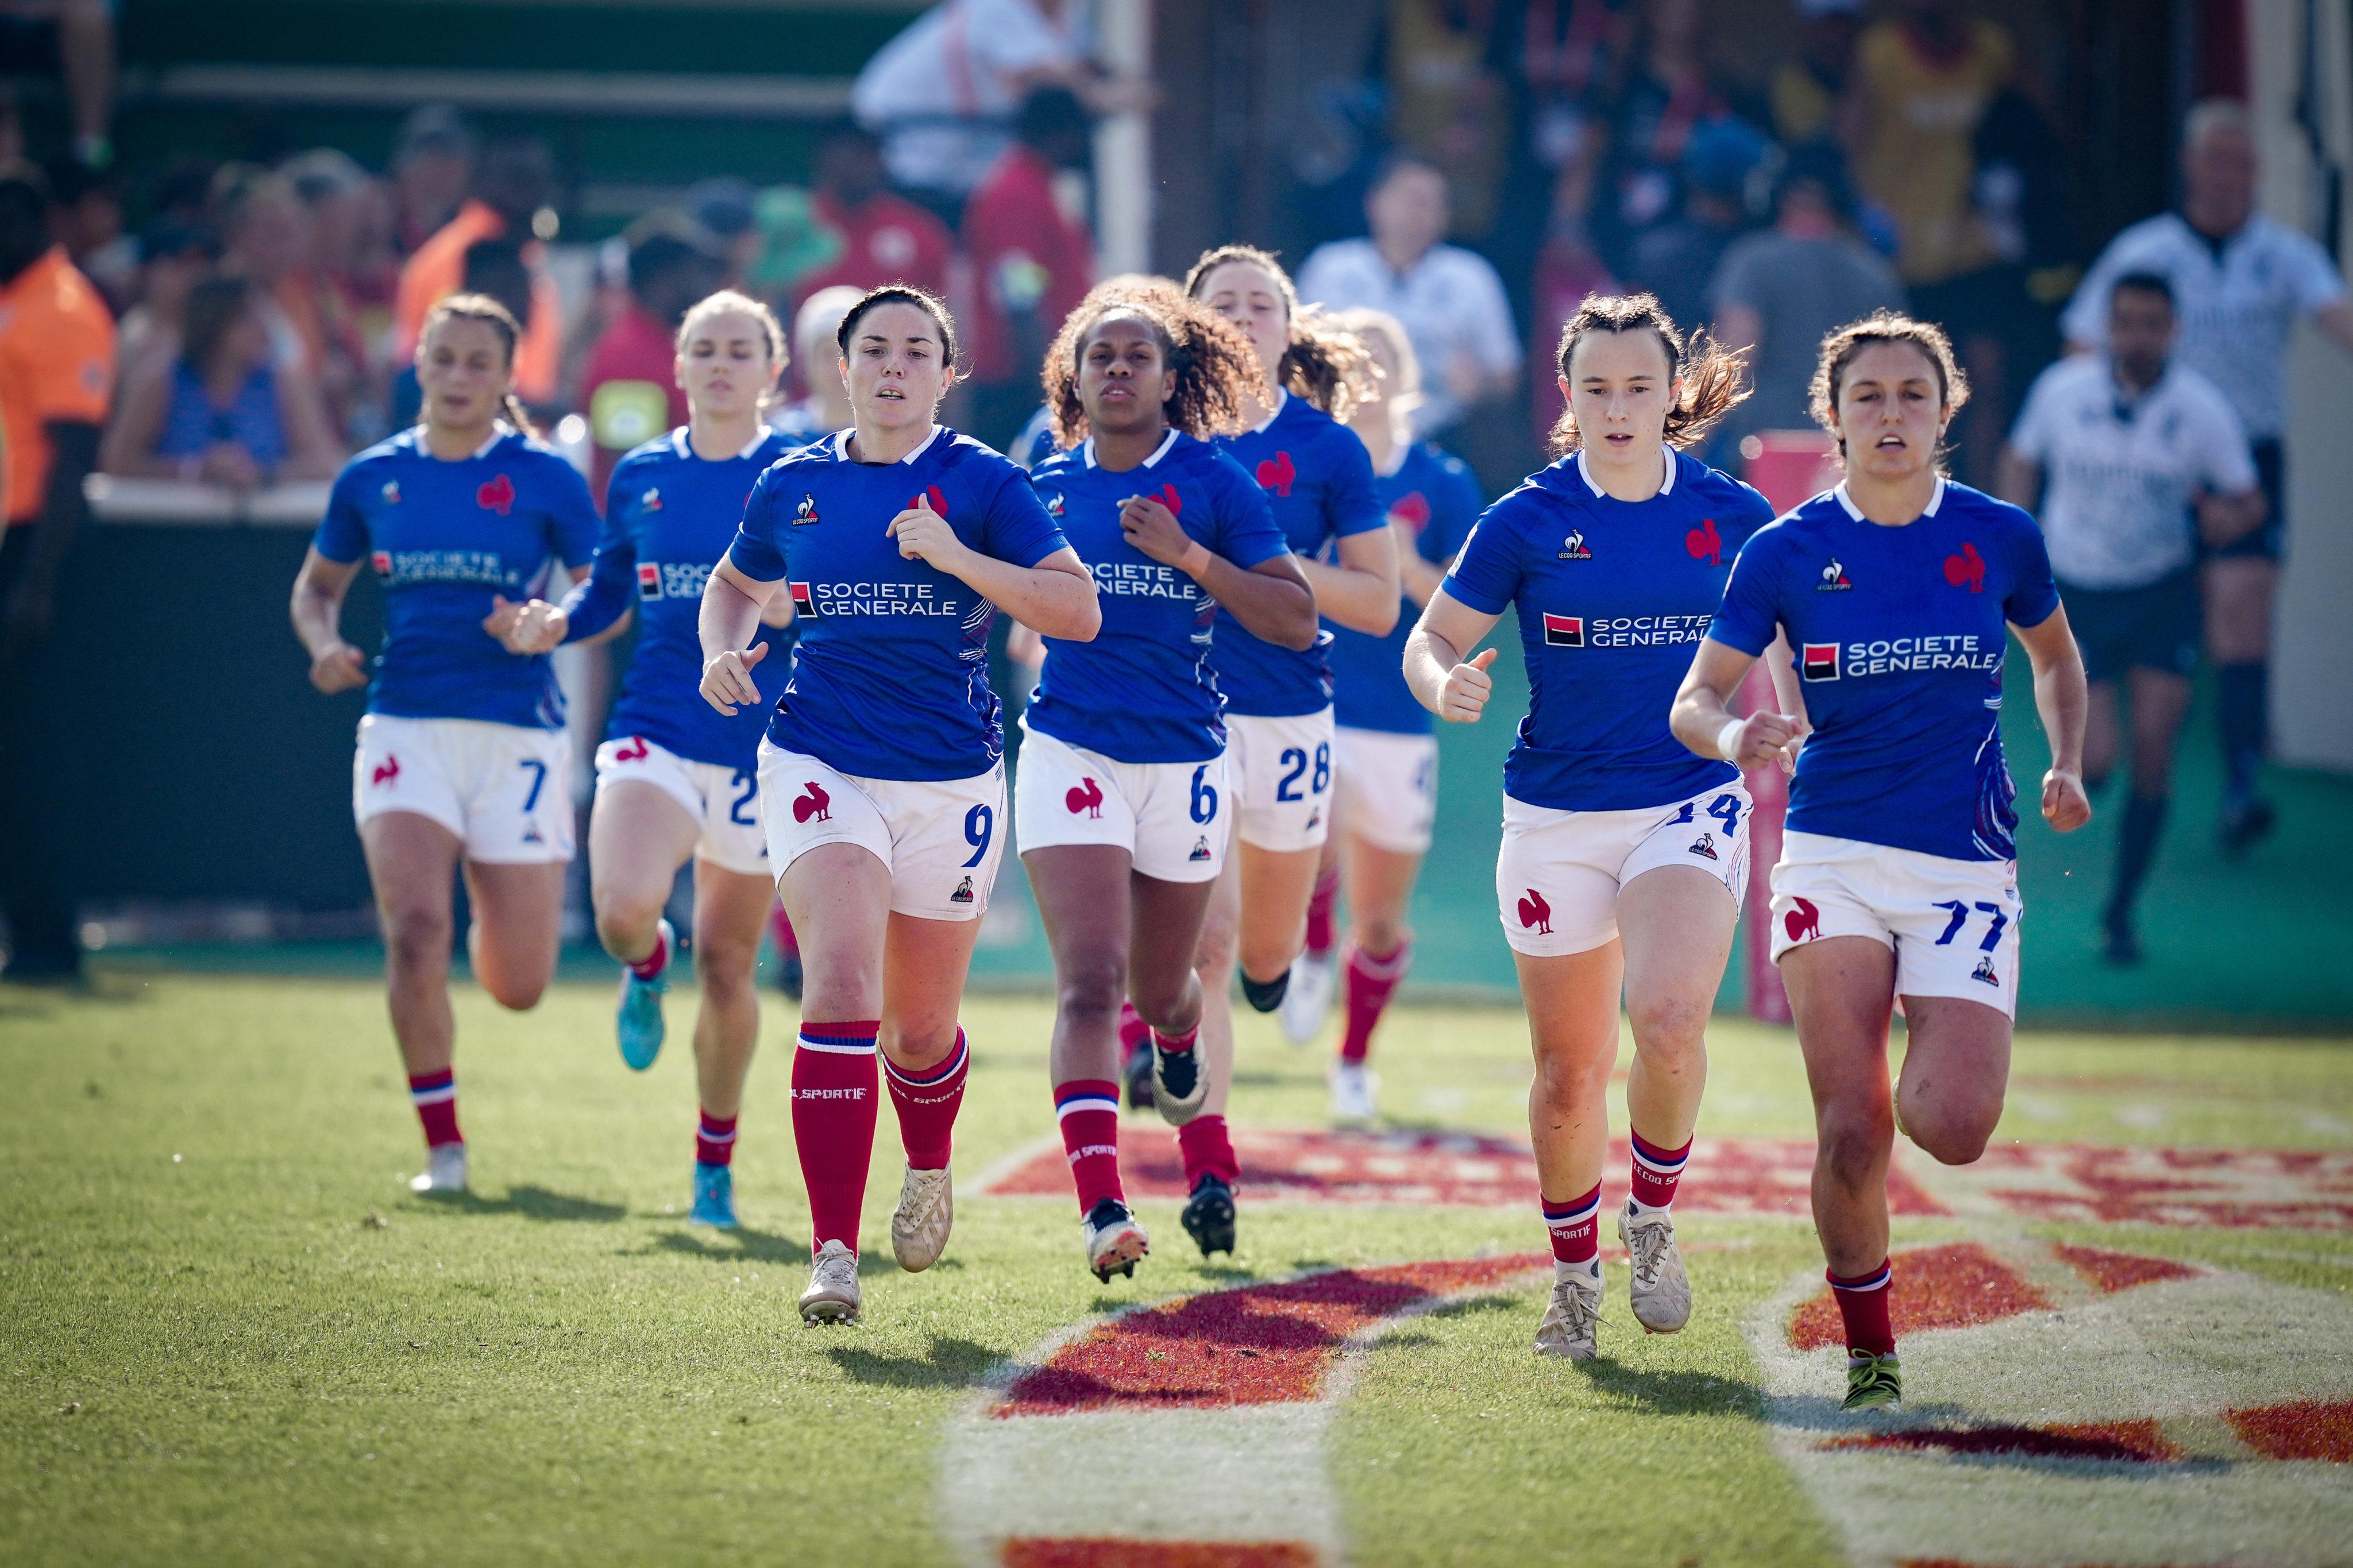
342,535
1486,575
1014,526
2033,593
1349,504
1245,532
76,384
1750,614
2225,463
754,553
1748,512
572,521
2318,284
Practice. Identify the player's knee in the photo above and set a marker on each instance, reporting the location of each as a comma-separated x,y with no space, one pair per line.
1851,1143
1949,1133
722,965
1564,1079
1214,954
514,988
1670,1025
918,1048
1162,999
417,938
1265,957
1381,932
625,918
1090,986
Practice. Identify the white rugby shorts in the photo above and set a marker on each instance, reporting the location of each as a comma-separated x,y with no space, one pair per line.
1169,817
1558,873
941,840
1281,773
1387,787
1953,923
725,802
505,790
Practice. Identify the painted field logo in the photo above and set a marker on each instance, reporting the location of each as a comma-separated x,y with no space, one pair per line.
1564,631
1820,661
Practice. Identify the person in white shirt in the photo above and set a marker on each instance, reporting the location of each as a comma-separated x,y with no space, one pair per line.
1449,299
2139,462
2241,281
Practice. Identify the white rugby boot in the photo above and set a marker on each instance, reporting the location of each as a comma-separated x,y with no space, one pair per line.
1351,1092
1114,1241
1571,1327
1313,978
919,1225
1661,1294
445,1170
832,1296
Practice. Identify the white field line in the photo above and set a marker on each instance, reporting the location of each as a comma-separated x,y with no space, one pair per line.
2185,1349
1247,1472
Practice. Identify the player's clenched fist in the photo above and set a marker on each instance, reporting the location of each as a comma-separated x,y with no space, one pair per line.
727,681
1468,686
533,626
924,535
2065,806
340,669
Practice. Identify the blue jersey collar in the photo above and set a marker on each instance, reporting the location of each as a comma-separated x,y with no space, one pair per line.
1935,499
1086,449
1666,486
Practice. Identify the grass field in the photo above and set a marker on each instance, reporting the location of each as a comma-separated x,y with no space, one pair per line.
232,1336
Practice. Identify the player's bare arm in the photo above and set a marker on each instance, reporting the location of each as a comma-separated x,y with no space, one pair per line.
1271,600
1360,591
1056,597
317,612
1702,716
2062,698
1456,690
734,608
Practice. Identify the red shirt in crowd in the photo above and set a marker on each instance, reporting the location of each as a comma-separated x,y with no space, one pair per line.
632,391
884,239
1023,250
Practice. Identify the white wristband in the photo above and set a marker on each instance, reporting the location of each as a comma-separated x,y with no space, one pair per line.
1727,739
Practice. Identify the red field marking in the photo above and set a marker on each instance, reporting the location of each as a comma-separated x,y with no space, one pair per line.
1110,1552
2234,1188
2114,1271
1956,1287
1260,1345
2309,1430
1727,1175
2130,1442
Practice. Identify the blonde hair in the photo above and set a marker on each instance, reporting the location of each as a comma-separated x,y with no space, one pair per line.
1366,324
730,303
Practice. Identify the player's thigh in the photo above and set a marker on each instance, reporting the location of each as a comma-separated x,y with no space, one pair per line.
1220,927
514,784
1675,923
731,910
1956,1072
638,836
1555,878
1387,788
1572,1006
2238,598
518,925
924,969
1166,926
1276,885
1183,818
838,895
412,860
1082,893
1841,993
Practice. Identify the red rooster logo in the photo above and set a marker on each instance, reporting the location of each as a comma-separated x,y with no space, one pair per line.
1804,922
632,750
1413,509
1089,798
1705,543
939,501
386,772
813,802
1966,569
1276,473
496,495
1171,499
1535,914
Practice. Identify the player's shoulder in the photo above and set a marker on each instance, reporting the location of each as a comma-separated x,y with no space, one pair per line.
1714,488
400,446
2279,238
2195,391
1540,500
1965,503
968,456
1059,468
1800,528
2152,239
1437,460
532,454
662,451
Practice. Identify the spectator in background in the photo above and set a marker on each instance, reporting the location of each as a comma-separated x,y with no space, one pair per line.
1448,300
1447,102
1643,124
432,168
631,389
943,93
2241,282
86,216
817,349
222,411
57,378
1780,292
73,40
2141,458
885,238
1031,260
172,258
723,206
347,277
1808,86
266,238
1676,260
511,192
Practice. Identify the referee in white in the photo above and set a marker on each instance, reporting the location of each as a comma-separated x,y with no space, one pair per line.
2136,462
2240,281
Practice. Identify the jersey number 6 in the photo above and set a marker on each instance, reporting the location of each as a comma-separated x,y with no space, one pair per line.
1205,795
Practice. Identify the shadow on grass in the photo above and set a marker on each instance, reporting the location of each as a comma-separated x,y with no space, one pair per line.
531,1202
1666,1392
743,1245
950,1363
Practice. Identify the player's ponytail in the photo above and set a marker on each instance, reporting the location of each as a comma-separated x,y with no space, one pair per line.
1324,365
1215,369
1712,376
500,321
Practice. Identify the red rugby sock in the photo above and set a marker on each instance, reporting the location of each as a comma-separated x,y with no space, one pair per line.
714,1139
1209,1151
1319,911
435,1096
927,1103
1862,1305
1088,1112
833,1123
1576,1228
1656,1171
1371,982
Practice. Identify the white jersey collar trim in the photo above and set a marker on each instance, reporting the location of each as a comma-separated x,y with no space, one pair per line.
1666,485
1281,401
842,444
1935,499
1086,449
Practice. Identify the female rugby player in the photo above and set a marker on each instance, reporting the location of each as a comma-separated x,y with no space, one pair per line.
881,779
462,759
1898,875
1624,858
1123,797
675,780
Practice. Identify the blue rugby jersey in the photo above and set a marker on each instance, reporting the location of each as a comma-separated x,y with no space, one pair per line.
1319,482
1899,638
1436,493
668,516
1142,691
890,674
444,538
1613,597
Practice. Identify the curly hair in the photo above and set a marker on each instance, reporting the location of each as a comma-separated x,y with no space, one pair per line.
1710,374
1216,369
500,321
1882,326
1323,363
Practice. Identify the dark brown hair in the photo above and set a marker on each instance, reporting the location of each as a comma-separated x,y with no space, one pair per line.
1710,374
922,300
215,305
499,319
1882,326
1326,366
1216,369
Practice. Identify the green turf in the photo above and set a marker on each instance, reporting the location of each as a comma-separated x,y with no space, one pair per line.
215,1353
